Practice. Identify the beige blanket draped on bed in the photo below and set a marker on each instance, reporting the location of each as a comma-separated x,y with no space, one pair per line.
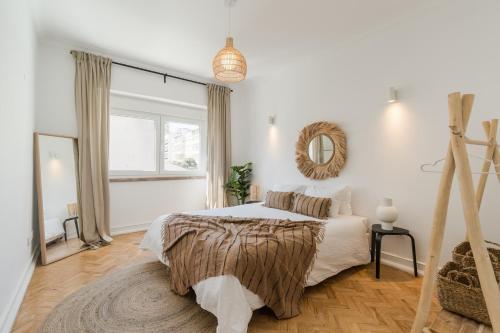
269,257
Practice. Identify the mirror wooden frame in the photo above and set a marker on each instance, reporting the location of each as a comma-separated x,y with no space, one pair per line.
330,169
45,258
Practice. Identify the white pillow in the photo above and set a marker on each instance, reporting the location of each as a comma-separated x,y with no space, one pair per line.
289,188
344,197
341,199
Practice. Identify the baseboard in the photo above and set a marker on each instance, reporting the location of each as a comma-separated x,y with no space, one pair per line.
9,316
130,228
401,263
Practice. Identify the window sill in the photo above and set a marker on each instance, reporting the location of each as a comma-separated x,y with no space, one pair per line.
151,178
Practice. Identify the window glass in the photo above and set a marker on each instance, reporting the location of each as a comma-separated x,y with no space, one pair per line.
132,144
182,146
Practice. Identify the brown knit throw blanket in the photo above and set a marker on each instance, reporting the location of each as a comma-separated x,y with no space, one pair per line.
269,257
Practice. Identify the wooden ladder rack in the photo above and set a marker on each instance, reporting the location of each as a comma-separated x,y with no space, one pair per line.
457,159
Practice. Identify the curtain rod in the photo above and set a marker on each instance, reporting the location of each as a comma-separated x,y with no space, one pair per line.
165,75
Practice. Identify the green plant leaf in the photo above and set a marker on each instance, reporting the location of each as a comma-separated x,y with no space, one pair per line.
239,181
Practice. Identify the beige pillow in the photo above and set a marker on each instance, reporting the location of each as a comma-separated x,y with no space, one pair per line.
341,199
279,200
312,206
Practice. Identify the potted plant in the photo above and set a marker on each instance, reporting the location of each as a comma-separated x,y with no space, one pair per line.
239,182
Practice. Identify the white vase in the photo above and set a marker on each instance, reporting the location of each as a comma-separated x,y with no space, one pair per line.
387,214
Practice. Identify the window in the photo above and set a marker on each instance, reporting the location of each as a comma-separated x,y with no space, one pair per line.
133,144
157,143
182,146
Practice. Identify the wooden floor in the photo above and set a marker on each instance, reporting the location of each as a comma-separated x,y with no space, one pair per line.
353,301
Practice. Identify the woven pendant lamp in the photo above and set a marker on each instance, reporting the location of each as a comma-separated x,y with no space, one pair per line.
229,64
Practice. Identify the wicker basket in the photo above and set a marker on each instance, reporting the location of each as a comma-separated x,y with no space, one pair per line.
462,254
459,291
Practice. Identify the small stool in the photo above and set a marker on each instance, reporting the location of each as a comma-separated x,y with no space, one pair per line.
377,234
74,219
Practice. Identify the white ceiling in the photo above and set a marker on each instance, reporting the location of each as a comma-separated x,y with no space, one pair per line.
185,34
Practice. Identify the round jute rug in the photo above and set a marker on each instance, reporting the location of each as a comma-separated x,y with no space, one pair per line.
136,299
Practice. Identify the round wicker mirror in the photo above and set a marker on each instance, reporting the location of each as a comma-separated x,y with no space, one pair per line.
321,150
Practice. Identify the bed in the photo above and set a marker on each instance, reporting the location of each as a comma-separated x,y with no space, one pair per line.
345,245
53,230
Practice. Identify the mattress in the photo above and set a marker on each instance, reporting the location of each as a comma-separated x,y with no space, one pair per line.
345,245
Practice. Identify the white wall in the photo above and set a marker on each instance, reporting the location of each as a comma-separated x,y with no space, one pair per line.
451,47
17,60
133,205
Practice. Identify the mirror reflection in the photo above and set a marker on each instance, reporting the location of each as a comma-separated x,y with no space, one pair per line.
58,197
321,149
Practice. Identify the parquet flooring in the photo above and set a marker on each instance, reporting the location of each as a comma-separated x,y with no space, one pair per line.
447,322
51,283
353,301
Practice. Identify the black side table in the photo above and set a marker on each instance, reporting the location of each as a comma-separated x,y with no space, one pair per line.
377,234
74,219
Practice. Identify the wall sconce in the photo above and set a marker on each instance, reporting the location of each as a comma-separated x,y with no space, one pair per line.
272,119
393,95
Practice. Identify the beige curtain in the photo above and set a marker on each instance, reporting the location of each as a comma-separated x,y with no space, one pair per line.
219,144
92,84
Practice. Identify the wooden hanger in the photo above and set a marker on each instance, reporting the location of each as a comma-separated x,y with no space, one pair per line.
429,167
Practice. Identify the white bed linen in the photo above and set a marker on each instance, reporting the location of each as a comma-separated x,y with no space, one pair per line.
345,245
53,229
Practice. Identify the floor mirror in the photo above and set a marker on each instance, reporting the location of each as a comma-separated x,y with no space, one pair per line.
56,174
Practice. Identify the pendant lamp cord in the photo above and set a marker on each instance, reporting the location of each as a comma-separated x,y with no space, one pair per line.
229,20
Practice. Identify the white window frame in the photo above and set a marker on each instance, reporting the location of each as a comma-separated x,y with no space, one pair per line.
160,115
